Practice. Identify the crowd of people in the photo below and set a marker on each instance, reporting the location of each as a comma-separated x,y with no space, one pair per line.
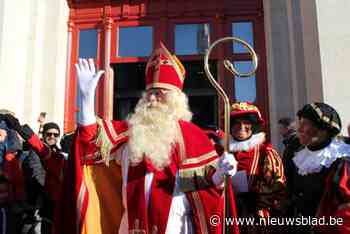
157,172
31,175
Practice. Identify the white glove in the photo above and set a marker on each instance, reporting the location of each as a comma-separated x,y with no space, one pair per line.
227,166
87,83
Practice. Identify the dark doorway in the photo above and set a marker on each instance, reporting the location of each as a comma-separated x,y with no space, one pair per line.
129,83
202,96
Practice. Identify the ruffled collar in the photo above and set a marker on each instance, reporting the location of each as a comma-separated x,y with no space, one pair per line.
246,145
308,162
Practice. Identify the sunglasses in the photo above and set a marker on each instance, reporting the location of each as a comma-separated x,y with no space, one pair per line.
49,134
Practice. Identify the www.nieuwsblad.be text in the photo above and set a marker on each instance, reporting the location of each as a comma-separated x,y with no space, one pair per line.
215,220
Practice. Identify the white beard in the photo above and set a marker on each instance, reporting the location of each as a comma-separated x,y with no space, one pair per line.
153,132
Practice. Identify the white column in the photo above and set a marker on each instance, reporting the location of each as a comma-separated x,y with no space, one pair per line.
32,58
334,40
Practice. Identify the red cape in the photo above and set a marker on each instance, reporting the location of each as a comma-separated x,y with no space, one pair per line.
70,215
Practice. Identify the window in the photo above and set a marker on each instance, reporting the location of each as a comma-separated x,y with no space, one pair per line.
245,88
87,49
88,43
244,31
135,41
191,39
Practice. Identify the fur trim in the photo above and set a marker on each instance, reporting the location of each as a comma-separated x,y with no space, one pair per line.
309,162
246,145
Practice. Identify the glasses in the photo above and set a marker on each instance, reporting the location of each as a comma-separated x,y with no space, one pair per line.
157,92
49,134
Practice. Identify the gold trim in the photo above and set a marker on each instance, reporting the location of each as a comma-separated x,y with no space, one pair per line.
279,168
199,167
324,118
243,106
121,135
180,141
254,164
177,69
176,63
191,179
199,159
103,142
181,69
115,135
111,129
200,213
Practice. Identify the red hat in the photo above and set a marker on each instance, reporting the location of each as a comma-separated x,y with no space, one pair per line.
241,109
164,70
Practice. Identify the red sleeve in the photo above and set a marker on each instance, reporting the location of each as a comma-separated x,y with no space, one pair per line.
39,147
343,192
87,134
100,139
270,189
335,202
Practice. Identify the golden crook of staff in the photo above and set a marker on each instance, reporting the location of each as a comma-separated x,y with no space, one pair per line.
229,66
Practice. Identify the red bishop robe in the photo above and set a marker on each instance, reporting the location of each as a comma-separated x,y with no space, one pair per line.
96,205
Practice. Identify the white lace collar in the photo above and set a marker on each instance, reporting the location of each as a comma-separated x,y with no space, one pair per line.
309,162
246,145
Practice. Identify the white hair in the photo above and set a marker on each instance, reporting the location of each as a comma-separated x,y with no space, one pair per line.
153,129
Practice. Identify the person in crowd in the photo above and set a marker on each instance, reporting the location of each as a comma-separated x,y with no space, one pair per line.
260,179
318,170
286,128
11,181
41,121
171,178
34,181
51,158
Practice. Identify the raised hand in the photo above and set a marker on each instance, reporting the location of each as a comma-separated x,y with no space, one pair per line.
87,83
11,121
87,77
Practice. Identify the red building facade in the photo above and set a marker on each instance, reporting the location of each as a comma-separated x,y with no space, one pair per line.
120,35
